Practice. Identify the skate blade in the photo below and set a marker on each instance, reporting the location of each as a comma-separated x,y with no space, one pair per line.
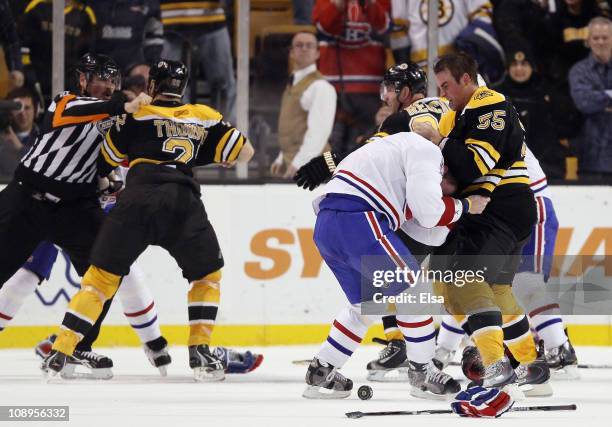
316,392
388,376
514,391
163,371
537,390
202,375
426,394
70,373
566,373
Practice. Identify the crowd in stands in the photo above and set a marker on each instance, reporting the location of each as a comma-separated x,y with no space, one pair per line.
316,67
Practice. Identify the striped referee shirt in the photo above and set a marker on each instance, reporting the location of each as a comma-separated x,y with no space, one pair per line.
62,160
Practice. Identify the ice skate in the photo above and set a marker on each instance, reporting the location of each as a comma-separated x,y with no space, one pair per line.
391,364
563,362
159,359
206,366
325,382
429,382
533,378
98,366
54,363
443,357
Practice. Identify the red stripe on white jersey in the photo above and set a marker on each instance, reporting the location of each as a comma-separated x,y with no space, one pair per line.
377,193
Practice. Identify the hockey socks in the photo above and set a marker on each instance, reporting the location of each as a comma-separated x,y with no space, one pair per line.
203,298
549,325
420,336
345,335
85,307
14,292
139,307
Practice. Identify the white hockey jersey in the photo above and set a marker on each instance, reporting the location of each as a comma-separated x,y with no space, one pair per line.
410,23
537,177
399,176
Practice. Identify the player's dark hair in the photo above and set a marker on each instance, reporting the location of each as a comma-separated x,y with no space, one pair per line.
458,64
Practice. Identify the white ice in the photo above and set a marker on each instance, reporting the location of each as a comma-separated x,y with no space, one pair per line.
271,395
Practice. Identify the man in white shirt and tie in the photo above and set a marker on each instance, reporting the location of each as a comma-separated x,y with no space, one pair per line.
307,110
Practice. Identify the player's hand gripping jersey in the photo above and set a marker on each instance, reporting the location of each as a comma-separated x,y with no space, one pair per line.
177,135
485,146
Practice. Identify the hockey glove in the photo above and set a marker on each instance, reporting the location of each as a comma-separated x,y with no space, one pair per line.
237,363
480,402
318,170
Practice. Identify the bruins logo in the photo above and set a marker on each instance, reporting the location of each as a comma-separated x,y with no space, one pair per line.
446,11
483,94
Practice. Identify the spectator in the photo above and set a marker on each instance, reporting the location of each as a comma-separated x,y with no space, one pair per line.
21,131
302,12
569,26
591,88
9,41
462,25
129,31
532,99
519,25
307,110
136,80
353,59
36,28
203,25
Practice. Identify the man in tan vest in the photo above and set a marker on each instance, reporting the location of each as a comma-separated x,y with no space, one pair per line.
307,110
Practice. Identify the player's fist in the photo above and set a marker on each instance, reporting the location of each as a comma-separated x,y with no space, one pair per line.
477,204
135,104
427,131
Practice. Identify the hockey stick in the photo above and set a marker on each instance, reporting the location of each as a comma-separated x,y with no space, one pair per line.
302,362
359,414
580,365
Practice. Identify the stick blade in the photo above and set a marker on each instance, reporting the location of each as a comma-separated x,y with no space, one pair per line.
356,414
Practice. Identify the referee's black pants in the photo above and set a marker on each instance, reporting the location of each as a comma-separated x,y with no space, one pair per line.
26,221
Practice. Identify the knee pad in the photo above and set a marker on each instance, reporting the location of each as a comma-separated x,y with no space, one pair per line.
100,281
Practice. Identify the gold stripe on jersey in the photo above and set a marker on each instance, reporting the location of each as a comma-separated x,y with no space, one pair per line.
191,5
183,112
421,54
236,150
227,145
143,160
110,153
193,20
489,155
480,163
447,123
34,3
377,135
484,96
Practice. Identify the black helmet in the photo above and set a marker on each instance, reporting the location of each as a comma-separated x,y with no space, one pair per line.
101,66
169,78
406,75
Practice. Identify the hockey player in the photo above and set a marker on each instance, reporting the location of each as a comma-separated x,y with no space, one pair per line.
483,143
372,192
529,284
53,194
162,206
403,90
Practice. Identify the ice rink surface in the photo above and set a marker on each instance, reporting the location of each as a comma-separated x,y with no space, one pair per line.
270,396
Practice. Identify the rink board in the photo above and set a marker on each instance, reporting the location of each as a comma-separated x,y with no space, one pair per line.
275,288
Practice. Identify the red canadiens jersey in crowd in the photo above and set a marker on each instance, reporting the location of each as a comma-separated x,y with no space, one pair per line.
352,51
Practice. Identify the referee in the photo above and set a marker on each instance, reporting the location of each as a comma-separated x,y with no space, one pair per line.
53,195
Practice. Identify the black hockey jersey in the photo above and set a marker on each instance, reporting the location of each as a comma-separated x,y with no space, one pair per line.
173,134
485,145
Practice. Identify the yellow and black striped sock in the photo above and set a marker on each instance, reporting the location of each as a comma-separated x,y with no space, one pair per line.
97,286
203,297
